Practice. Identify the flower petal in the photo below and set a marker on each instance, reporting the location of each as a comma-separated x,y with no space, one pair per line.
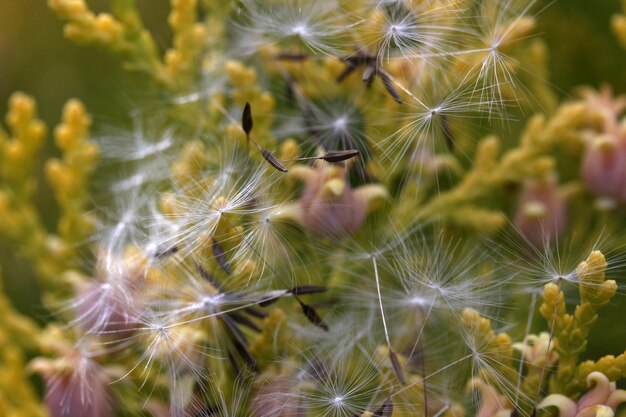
567,407
598,394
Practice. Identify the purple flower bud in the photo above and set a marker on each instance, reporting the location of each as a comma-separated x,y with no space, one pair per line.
330,206
541,212
603,168
75,386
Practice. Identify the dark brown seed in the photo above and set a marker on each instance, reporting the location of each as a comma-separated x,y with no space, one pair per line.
208,276
246,356
220,256
388,83
395,363
246,119
346,72
268,301
244,321
234,364
240,343
307,289
338,156
385,410
312,316
273,161
369,74
447,132
255,312
291,56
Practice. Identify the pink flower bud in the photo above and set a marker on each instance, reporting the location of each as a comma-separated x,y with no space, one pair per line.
330,206
75,386
602,399
541,212
603,167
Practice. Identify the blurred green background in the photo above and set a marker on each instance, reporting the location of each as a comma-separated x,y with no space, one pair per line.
36,59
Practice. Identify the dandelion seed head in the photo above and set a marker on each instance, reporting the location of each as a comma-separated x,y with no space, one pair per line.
313,25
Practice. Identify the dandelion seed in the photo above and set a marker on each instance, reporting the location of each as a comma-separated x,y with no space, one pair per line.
499,26
293,24
246,123
428,116
344,387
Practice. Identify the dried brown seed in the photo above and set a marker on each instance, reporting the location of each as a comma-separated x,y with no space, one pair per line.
312,316
397,368
338,156
273,161
246,119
